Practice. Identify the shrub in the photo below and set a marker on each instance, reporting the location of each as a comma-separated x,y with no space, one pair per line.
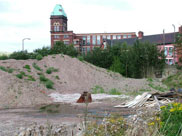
36,67
57,77
51,69
4,57
39,57
27,67
20,55
43,78
80,58
20,76
49,84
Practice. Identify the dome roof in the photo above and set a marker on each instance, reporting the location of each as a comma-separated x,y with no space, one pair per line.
58,10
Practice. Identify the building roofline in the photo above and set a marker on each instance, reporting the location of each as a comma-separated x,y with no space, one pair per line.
116,33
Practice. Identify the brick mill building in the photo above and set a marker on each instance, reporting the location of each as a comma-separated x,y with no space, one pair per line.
82,42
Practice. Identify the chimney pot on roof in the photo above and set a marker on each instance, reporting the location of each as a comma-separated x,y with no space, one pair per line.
140,35
180,29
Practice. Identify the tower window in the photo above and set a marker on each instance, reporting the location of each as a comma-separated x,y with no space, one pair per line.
56,27
56,36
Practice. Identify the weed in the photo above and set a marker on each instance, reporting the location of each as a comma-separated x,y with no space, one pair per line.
36,67
51,69
114,91
57,77
31,78
9,70
52,108
27,67
98,90
20,76
48,83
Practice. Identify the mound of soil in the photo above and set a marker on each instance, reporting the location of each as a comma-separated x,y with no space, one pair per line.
70,76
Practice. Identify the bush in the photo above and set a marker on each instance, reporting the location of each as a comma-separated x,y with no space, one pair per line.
20,76
20,55
39,57
49,84
43,78
51,69
4,57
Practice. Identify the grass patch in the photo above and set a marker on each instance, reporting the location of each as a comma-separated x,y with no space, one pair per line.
9,70
174,81
52,108
98,90
114,91
57,77
51,69
30,78
36,67
48,83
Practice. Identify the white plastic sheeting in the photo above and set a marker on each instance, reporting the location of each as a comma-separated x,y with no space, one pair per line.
72,98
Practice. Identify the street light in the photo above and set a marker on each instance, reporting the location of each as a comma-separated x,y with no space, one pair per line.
23,42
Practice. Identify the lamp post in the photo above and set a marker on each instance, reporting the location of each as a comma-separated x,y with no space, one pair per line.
23,42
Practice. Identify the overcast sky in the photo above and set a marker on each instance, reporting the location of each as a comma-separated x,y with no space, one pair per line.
31,18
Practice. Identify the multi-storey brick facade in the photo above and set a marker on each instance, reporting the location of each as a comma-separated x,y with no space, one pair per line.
84,42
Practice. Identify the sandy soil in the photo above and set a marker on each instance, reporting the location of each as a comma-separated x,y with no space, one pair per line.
74,77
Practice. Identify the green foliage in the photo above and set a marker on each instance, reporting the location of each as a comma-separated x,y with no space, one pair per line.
39,57
51,69
135,61
117,66
97,90
27,67
36,67
170,119
9,70
4,57
30,78
20,55
48,83
57,77
114,91
43,52
61,48
174,81
80,58
20,76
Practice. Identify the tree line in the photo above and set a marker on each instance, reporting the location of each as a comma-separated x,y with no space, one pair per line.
136,61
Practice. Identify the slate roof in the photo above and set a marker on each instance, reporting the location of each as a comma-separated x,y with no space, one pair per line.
154,39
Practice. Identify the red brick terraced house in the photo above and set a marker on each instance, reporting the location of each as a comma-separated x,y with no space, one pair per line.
82,42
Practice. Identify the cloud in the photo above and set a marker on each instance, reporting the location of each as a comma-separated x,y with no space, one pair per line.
4,6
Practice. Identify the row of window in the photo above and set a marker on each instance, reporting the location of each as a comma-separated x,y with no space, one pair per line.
96,39
57,28
58,36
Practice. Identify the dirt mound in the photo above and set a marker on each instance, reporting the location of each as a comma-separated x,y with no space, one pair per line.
21,86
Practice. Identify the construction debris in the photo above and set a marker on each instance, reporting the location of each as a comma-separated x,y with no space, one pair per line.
152,99
85,98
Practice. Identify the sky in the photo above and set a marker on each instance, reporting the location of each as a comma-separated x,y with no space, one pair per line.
31,19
